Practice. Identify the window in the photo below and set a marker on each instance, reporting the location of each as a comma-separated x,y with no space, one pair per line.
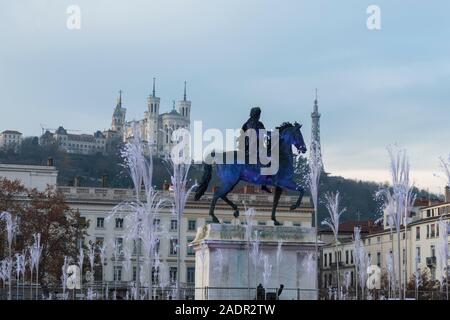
100,223
433,251
418,258
297,224
134,273
437,230
117,273
156,223
378,239
119,244
119,223
173,274
433,230
379,259
428,213
428,231
369,258
346,256
189,250
351,257
417,233
403,235
330,258
261,223
173,225
173,246
190,274
155,275
325,260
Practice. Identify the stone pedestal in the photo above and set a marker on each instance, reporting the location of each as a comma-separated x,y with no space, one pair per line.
225,265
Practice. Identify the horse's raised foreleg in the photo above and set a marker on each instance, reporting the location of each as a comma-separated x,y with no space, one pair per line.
294,187
276,198
212,207
232,205
222,194
299,200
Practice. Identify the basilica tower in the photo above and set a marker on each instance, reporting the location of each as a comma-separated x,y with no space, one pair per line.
118,118
152,116
184,106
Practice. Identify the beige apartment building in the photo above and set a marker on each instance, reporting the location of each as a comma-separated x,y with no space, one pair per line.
419,250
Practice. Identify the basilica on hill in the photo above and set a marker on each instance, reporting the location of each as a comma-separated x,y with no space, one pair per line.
155,127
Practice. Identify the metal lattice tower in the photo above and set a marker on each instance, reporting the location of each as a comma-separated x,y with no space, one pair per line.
315,130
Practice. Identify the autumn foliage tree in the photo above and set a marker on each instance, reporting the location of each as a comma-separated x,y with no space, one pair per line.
47,213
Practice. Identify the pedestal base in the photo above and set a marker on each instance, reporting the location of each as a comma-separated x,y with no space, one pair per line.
229,267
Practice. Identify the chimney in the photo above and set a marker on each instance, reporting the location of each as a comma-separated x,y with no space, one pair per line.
104,181
447,194
76,181
50,162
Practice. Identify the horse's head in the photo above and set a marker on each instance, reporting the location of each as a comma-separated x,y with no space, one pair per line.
292,134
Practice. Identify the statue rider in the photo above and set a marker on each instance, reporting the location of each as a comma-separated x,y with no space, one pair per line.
254,123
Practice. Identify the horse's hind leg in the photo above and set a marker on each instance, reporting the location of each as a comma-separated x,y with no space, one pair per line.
276,198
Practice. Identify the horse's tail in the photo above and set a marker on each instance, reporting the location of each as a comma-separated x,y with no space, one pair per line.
206,178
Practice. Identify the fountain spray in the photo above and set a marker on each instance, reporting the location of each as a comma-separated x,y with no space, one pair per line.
11,230
332,204
443,251
315,169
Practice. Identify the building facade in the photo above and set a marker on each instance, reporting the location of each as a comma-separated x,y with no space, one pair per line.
419,248
156,127
76,143
96,205
10,139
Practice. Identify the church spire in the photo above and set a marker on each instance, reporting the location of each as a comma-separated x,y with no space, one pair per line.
154,90
173,107
119,100
184,98
315,130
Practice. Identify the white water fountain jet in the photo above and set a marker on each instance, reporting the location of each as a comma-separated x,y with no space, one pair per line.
267,270
443,252
19,265
315,169
347,282
64,277
116,252
102,254
332,201
80,265
36,256
399,200
390,272
180,163
362,268
140,215
11,226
